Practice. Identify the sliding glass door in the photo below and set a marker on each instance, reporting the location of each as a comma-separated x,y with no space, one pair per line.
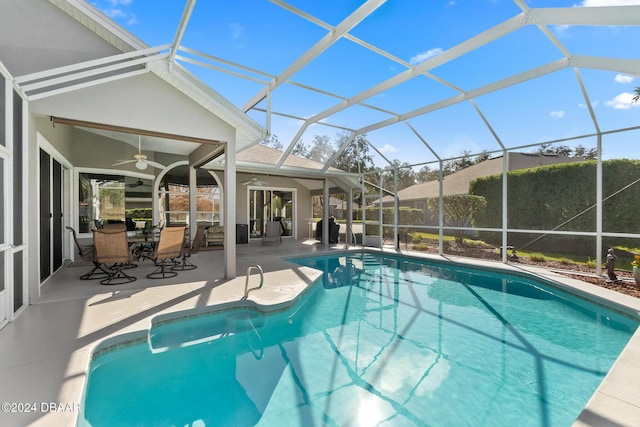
271,205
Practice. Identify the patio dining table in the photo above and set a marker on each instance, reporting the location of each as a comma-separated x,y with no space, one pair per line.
142,245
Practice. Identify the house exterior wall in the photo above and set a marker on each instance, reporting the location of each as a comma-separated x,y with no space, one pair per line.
139,102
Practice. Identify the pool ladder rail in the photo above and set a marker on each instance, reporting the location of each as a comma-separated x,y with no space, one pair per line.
246,283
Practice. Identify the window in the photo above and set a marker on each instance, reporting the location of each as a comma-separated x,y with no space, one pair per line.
110,198
174,197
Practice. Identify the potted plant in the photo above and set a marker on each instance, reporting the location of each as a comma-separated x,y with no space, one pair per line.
636,269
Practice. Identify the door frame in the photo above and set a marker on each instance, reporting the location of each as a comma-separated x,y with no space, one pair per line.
271,190
6,294
66,206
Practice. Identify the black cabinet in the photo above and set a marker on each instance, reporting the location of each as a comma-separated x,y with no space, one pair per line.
242,233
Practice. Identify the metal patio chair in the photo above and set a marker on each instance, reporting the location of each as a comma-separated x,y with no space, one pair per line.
113,253
87,253
169,248
192,249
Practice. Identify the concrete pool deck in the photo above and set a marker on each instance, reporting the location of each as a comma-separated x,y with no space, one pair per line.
45,353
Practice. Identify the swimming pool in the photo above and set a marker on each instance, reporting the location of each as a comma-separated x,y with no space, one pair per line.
384,340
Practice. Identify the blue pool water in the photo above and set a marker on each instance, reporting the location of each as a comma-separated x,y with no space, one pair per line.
382,341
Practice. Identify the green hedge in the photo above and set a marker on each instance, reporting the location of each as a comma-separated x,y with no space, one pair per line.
408,216
543,198
139,214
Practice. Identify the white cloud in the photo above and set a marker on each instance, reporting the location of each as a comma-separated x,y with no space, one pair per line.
622,102
421,57
596,3
556,114
237,30
115,13
388,149
117,10
623,78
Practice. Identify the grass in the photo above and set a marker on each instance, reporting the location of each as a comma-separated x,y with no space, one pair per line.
623,263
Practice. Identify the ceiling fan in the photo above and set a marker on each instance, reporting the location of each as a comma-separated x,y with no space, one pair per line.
140,159
254,181
138,183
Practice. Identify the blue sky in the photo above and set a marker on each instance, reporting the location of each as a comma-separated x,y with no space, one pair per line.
261,35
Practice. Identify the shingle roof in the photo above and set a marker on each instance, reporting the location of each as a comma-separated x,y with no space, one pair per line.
262,154
458,182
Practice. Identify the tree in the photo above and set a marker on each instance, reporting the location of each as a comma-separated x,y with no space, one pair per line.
459,210
460,163
637,97
273,142
355,157
426,174
563,150
484,155
406,175
560,150
300,150
581,151
321,149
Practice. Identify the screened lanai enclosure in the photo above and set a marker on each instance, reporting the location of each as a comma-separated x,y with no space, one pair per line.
516,131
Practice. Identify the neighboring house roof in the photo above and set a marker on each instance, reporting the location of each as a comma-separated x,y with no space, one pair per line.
262,159
458,182
260,153
341,204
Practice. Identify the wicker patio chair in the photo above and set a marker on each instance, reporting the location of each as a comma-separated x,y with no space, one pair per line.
169,248
192,249
112,251
120,226
87,253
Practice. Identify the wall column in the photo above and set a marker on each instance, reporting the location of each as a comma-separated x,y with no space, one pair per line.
230,210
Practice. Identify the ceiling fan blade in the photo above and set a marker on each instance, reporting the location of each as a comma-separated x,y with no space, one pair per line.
154,164
122,162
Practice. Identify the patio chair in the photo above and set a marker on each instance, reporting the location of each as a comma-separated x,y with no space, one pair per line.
112,251
118,225
87,253
192,249
272,233
169,248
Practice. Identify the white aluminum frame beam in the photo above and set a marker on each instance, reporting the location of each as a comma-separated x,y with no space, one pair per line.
467,46
323,44
603,15
182,26
492,87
